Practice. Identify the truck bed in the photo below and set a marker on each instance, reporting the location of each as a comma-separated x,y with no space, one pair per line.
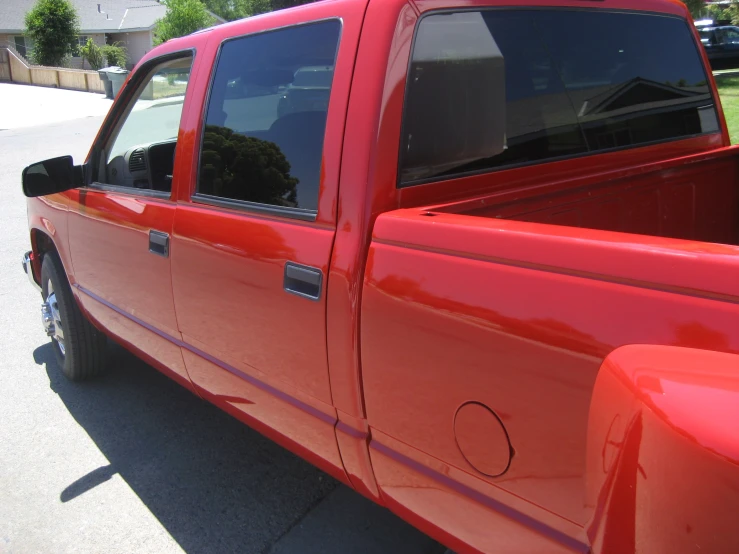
694,198
512,301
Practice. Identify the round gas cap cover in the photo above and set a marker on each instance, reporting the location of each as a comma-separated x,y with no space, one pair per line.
482,439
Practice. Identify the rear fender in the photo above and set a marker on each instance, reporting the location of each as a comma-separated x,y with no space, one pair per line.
663,452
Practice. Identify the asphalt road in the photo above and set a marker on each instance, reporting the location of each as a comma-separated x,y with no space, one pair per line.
132,462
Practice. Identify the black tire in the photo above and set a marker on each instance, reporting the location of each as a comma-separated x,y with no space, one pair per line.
81,353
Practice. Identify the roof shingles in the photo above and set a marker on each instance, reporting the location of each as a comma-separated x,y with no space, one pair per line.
114,15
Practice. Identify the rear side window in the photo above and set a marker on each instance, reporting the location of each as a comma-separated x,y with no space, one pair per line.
266,117
502,88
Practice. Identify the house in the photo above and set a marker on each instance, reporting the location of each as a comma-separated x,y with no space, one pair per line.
130,22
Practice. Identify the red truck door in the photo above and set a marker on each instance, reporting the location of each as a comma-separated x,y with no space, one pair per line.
252,242
119,226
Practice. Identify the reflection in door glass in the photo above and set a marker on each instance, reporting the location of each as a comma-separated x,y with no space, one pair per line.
263,138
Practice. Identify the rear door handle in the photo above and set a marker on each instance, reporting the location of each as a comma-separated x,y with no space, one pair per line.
303,280
159,243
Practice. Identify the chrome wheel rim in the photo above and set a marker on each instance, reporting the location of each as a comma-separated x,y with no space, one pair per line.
52,317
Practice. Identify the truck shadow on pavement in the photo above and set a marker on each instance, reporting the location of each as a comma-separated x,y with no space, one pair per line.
213,483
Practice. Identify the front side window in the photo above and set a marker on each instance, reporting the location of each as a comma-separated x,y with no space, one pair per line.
141,152
266,117
498,88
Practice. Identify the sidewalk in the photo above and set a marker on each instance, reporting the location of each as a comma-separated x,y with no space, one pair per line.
28,106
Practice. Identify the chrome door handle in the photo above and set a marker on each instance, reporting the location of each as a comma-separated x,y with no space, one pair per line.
303,280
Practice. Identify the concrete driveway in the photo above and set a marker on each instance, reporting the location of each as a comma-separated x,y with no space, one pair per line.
132,462
29,106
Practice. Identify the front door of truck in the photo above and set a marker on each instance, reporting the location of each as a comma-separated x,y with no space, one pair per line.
120,225
252,242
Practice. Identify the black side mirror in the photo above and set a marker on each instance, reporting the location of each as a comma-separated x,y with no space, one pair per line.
51,176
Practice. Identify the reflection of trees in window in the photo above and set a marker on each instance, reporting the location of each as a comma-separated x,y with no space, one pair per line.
238,167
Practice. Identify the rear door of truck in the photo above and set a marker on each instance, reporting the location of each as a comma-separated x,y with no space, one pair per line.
253,234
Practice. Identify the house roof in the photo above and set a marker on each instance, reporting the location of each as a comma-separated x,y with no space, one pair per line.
96,16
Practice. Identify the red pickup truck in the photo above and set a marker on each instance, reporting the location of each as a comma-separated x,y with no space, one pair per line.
475,259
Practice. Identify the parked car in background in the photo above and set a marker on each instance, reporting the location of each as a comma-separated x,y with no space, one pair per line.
309,90
721,44
476,259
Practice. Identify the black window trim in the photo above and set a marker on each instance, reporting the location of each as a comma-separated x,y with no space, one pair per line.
399,184
196,197
256,207
113,118
132,191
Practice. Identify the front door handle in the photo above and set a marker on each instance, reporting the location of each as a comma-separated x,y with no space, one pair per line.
303,280
159,243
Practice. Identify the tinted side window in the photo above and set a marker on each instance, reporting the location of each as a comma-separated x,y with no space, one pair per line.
574,82
266,118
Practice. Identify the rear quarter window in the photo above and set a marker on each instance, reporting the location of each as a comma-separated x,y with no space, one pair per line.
502,88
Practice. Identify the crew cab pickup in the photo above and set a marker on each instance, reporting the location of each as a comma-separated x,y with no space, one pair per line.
479,263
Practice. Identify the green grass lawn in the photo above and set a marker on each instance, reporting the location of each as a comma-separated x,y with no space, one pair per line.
163,89
728,89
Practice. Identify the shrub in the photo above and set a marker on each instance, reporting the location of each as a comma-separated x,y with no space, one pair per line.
92,53
115,54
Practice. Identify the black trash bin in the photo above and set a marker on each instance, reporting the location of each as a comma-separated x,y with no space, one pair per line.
116,76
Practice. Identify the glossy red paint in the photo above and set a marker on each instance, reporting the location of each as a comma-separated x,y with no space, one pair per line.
513,327
145,341
109,244
387,24
482,439
352,435
47,221
257,327
443,295
663,451
706,212
453,506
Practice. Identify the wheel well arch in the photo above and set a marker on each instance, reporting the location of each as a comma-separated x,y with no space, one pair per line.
41,244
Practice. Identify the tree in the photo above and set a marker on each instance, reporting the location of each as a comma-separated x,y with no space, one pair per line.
246,168
182,18
238,9
280,4
696,7
53,26
725,12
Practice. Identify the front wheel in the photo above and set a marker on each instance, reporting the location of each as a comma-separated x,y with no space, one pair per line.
79,347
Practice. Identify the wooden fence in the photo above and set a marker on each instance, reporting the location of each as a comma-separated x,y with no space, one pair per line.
4,65
15,69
